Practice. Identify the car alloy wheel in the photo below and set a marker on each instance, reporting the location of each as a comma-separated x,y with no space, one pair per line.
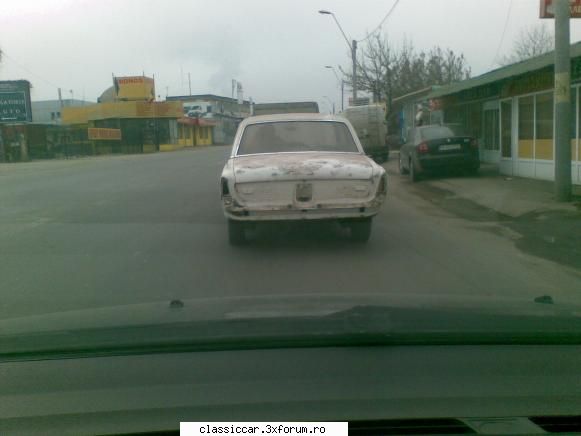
236,232
360,230
402,170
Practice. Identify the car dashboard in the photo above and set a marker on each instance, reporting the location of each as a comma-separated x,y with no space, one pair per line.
477,387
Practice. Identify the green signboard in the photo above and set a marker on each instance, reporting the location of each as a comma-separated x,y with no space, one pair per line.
15,106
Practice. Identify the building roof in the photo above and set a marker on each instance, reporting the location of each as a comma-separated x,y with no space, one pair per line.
204,97
506,72
285,105
413,95
65,102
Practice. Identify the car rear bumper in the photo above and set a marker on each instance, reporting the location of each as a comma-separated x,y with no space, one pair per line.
435,163
365,210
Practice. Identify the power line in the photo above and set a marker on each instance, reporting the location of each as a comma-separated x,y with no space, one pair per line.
382,21
503,33
22,67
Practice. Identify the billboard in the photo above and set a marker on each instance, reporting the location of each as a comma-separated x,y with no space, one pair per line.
547,9
15,104
134,88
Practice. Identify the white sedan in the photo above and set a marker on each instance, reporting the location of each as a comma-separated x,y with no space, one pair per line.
300,167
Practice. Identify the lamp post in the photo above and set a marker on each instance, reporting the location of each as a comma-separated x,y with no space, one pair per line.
352,47
342,85
331,103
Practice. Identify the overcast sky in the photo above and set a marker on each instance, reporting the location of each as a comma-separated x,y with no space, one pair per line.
276,48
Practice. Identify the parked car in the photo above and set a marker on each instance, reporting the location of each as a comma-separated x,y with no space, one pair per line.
435,148
371,128
300,167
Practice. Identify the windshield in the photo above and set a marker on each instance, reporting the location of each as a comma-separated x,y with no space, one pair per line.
253,161
296,136
435,132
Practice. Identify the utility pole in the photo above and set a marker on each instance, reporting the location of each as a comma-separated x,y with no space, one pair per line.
190,83
342,98
354,59
562,102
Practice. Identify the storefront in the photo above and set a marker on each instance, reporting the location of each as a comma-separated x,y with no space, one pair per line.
511,113
195,131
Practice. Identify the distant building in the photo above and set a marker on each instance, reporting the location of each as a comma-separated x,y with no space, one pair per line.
50,111
286,108
224,113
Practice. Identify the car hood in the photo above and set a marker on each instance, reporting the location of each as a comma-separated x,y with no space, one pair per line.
284,307
301,166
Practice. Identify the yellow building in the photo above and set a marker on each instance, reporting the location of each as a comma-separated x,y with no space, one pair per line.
195,131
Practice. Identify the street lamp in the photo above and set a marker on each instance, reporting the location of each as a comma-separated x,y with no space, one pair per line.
352,47
342,84
331,103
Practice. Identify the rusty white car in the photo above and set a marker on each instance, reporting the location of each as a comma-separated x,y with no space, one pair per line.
300,167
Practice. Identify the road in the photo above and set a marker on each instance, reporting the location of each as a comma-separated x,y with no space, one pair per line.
124,229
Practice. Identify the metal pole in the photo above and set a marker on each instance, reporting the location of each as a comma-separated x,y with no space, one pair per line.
190,83
562,102
354,59
342,98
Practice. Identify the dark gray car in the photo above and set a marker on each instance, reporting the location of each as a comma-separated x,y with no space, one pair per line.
435,148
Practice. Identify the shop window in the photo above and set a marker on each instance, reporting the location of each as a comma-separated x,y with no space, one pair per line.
491,130
506,128
526,127
576,152
544,126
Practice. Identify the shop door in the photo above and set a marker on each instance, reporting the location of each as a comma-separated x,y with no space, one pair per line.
490,148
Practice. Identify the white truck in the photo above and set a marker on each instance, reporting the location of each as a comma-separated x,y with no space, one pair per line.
371,127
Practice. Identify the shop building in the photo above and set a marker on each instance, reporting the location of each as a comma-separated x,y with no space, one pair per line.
126,119
221,114
510,111
49,111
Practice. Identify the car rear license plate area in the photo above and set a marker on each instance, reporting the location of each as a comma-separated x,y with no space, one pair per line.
304,192
450,147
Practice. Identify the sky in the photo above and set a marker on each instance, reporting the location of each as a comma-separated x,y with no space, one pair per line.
277,49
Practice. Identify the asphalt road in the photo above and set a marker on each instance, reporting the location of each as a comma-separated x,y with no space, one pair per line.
125,229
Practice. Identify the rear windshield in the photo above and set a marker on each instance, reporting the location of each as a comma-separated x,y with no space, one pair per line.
458,129
295,136
436,132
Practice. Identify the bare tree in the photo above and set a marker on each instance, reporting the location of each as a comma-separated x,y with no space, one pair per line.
387,72
531,41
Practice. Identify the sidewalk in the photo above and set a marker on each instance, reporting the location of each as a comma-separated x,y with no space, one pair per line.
539,225
511,196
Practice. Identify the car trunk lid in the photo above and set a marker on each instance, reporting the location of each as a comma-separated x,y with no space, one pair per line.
302,180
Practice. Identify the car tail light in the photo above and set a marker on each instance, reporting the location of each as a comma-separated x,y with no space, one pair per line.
382,187
423,147
225,189
474,143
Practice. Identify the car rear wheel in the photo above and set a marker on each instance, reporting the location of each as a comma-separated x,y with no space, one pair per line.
414,176
236,232
360,230
472,171
402,170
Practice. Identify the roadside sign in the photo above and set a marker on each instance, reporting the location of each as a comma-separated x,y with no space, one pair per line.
102,134
15,101
548,8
